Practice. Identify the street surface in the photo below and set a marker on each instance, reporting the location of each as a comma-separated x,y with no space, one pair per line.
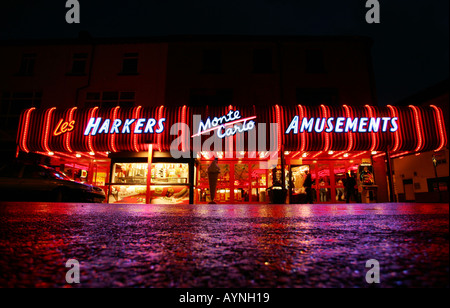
224,245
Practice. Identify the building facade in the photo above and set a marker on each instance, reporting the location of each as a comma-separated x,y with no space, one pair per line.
112,112
424,177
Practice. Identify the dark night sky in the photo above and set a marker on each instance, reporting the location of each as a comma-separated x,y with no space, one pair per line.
410,52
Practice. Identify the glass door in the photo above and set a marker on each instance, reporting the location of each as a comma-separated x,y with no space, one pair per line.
339,171
258,181
224,184
324,183
240,182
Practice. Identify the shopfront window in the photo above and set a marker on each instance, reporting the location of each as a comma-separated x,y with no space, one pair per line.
241,175
258,175
130,173
130,183
298,177
170,173
168,183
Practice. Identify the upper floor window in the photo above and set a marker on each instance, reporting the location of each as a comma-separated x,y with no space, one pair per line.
130,64
79,64
110,99
211,97
27,64
13,103
212,61
315,63
262,61
317,96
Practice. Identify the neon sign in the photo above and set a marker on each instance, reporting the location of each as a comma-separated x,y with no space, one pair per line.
222,125
142,126
342,125
63,127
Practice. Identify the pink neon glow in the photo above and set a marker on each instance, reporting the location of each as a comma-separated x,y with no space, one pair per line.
337,154
160,115
183,120
399,154
230,144
314,156
277,108
65,155
359,154
378,155
223,125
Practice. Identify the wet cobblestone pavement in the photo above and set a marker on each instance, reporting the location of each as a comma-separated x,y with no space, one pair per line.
224,245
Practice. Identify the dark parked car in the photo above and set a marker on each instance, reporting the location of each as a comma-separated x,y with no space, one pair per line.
30,182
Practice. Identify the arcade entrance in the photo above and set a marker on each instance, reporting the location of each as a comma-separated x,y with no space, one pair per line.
328,179
238,182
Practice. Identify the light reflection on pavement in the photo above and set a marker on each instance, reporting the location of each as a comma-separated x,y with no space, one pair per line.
224,245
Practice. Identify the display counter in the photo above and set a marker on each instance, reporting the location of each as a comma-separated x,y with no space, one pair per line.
168,183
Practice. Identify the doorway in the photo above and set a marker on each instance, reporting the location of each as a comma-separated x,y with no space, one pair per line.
238,182
328,181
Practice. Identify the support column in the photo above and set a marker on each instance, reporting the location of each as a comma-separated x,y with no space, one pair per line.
149,172
390,178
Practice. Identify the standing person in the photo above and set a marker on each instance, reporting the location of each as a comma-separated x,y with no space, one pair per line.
340,190
349,187
307,184
323,191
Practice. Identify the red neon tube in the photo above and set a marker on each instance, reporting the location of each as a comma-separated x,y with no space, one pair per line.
135,136
418,125
350,134
113,136
327,138
396,134
25,132
48,119
91,115
68,134
372,134
441,129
